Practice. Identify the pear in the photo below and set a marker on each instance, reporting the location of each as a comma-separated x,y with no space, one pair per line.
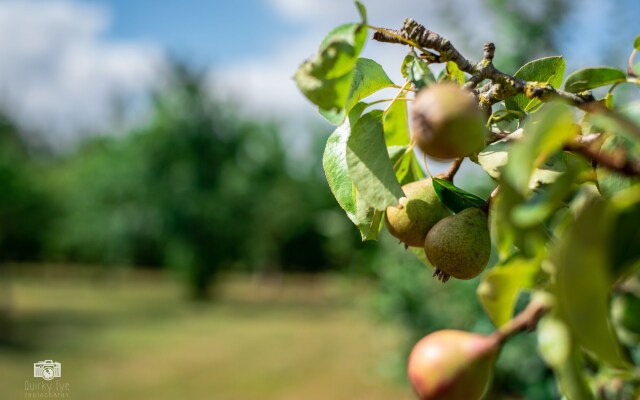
453,365
459,245
446,122
416,213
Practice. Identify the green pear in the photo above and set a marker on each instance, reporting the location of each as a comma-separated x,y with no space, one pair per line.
416,213
459,245
453,365
446,122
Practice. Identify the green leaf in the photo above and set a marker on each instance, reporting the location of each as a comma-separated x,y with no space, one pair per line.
396,124
349,33
547,70
625,240
326,78
590,78
362,10
505,233
334,162
544,134
368,77
496,155
455,198
610,182
559,351
401,159
454,73
417,71
370,219
636,43
502,284
616,124
583,279
369,165
545,200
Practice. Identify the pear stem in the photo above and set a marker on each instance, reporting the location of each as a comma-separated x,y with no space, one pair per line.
527,320
453,169
494,193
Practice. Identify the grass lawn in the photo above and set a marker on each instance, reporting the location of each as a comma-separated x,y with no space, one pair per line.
136,338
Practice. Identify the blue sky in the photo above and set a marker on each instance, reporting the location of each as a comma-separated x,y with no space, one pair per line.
205,30
65,61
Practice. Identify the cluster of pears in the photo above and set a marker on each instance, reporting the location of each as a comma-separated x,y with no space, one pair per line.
457,245
446,123
453,365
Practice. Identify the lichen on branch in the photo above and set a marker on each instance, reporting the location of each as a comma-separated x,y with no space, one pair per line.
501,85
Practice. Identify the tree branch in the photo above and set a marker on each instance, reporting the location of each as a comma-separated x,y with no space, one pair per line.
527,320
502,86
453,169
623,165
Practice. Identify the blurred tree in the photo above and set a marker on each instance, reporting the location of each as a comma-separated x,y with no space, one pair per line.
527,22
198,189
26,212
25,207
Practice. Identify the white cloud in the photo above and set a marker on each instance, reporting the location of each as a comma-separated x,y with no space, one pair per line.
59,76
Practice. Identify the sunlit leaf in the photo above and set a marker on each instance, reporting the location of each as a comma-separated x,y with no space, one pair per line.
454,73
368,77
370,219
369,165
502,284
326,78
396,124
334,162
401,160
416,70
547,70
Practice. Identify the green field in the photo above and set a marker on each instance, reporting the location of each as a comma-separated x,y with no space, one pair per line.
136,337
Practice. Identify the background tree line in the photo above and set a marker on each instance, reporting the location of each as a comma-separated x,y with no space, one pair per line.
197,189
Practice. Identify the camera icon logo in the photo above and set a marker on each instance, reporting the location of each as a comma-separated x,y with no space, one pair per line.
47,370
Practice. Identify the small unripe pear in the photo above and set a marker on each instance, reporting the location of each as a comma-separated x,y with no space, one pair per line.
452,365
446,122
459,245
416,213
